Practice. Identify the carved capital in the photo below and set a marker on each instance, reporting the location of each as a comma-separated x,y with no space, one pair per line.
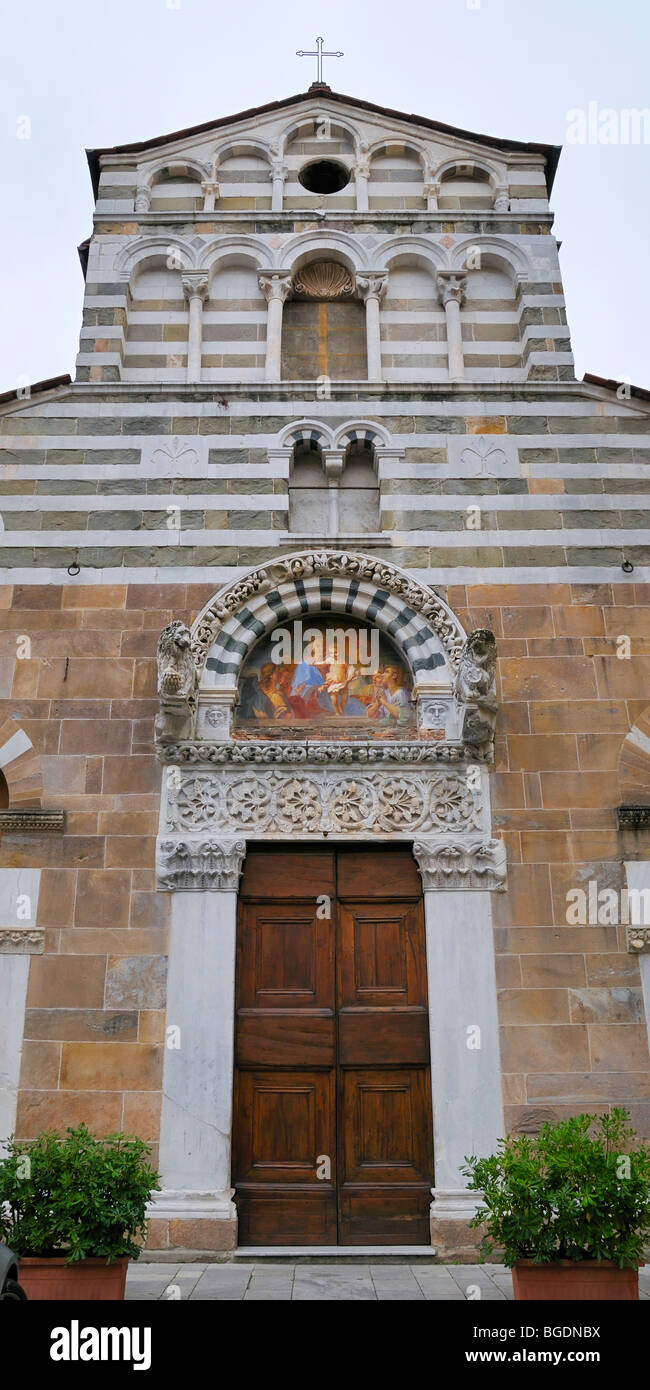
275,286
195,284
451,286
371,286
362,168
279,171
142,198
200,864
501,198
431,192
454,864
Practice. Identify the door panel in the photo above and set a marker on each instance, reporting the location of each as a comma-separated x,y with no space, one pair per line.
332,1050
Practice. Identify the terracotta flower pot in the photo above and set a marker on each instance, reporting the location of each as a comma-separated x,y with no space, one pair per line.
51,1278
565,1280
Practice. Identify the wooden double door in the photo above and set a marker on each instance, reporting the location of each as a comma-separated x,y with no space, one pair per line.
332,1102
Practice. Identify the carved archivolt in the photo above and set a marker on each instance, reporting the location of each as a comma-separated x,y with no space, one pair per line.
330,563
221,791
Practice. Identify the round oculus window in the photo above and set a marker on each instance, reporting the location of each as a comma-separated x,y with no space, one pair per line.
324,176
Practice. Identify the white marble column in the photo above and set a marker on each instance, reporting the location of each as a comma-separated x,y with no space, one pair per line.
431,192
196,1124
195,289
275,287
451,288
465,1068
279,173
361,179
371,289
333,465
210,191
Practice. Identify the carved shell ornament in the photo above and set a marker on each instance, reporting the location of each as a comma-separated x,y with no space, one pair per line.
323,280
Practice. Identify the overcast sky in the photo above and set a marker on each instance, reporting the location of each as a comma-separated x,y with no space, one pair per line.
90,74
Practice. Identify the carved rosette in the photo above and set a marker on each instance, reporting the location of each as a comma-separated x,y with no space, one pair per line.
274,802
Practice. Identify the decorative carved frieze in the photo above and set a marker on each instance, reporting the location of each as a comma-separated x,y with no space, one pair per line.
22,941
446,863
201,864
299,751
635,817
31,820
371,803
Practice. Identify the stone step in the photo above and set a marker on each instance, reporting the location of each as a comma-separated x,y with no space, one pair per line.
335,1254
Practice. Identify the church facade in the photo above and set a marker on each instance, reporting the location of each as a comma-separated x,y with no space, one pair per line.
325,731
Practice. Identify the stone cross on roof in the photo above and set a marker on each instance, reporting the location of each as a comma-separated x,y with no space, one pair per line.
319,54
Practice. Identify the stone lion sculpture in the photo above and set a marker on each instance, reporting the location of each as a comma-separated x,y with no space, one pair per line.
177,682
474,687
176,669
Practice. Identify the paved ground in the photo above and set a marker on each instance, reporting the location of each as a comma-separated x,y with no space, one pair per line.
308,1282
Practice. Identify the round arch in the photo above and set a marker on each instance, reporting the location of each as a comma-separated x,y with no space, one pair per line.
335,122
451,166
390,146
152,247
231,249
20,766
424,253
306,432
232,149
304,247
191,169
420,624
511,257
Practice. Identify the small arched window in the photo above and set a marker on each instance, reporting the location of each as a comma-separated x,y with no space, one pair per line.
308,491
359,491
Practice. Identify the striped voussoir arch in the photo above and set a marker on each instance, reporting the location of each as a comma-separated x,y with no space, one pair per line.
339,595
360,434
20,766
310,435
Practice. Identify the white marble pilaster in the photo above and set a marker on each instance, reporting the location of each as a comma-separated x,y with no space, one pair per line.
196,1122
18,908
638,880
465,1078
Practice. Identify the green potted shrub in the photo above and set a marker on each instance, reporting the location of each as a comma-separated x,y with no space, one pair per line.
71,1208
568,1207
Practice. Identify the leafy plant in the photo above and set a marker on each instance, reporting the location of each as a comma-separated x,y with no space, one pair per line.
78,1196
577,1190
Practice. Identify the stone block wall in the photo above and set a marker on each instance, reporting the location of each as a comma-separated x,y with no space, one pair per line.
573,1030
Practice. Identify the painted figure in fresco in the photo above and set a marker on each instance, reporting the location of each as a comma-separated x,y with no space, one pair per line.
324,686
